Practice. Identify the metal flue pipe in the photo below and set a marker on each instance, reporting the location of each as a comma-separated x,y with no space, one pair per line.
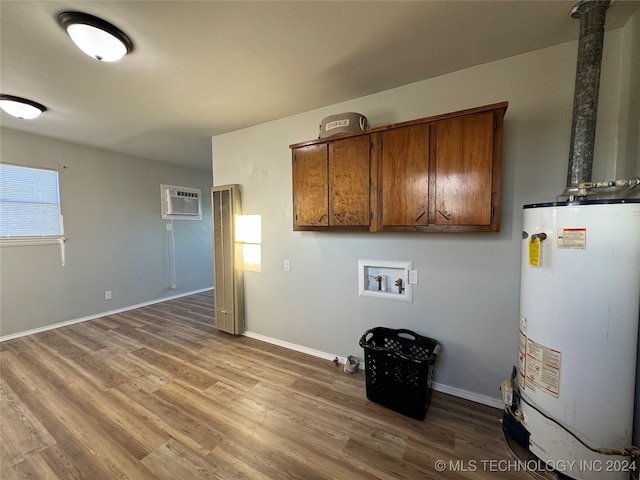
585,98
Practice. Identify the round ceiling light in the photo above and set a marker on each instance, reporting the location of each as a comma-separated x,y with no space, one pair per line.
96,37
21,107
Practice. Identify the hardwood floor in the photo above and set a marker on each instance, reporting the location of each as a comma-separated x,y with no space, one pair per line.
158,393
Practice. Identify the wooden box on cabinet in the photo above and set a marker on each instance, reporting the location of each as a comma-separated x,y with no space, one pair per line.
435,174
228,290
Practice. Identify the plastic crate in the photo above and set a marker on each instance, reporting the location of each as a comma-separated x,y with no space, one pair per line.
399,369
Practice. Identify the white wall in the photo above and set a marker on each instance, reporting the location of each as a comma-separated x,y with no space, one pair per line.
468,292
116,238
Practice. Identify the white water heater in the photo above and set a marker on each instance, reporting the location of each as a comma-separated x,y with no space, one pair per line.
579,311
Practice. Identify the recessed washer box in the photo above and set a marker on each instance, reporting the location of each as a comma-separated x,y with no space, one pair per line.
385,279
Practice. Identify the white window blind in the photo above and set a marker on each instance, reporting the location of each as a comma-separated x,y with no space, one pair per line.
29,203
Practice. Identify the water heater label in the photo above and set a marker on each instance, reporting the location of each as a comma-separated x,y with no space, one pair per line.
522,352
572,238
522,358
542,368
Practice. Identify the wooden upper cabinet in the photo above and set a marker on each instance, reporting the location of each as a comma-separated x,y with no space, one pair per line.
349,182
331,185
404,176
463,170
435,174
310,186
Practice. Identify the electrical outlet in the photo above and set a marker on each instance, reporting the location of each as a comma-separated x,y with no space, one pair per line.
286,265
413,277
107,295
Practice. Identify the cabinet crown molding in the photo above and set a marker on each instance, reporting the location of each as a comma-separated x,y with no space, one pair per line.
434,118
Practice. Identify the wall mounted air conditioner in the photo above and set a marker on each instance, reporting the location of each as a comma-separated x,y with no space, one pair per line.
181,203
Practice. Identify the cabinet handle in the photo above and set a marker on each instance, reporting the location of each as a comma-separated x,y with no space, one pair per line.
446,218
323,215
337,217
420,216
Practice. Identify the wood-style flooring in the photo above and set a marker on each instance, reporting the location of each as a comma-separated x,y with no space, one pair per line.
159,393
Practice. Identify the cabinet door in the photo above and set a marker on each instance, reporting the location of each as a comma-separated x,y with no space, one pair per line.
463,170
349,179
404,176
310,186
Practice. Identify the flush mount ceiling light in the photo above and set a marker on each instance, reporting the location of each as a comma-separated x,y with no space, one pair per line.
96,37
21,107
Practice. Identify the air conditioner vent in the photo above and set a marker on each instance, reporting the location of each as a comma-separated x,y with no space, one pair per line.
181,203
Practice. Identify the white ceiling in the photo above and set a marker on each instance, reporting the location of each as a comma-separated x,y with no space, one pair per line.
202,68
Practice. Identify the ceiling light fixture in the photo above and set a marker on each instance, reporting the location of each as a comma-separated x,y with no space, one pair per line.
96,37
21,107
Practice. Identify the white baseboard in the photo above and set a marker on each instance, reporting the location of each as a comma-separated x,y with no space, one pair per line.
98,315
467,395
297,348
439,387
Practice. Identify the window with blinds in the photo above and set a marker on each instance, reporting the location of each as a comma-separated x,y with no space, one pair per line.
29,204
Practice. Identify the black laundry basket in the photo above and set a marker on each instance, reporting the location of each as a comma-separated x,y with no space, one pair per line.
399,368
